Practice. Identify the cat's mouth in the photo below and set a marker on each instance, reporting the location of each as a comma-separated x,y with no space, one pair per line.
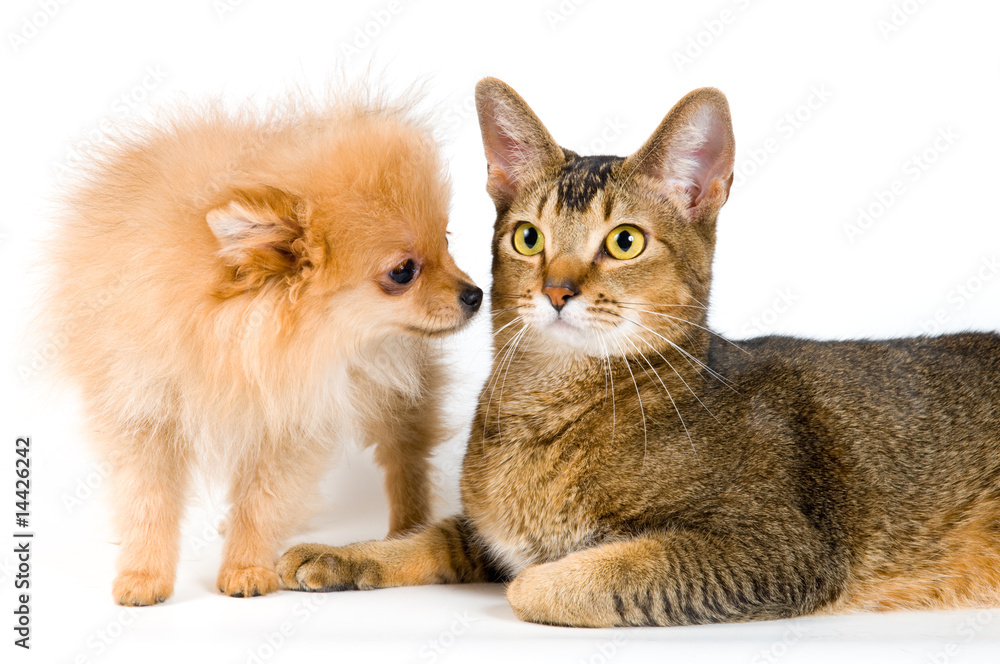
579,328
560,324
569,328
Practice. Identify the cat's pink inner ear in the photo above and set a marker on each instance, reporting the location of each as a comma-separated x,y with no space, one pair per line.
710,159
699,160
516,143
691,156
500,150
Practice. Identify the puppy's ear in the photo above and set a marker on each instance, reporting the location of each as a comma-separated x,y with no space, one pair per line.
259,233
689,158
518,146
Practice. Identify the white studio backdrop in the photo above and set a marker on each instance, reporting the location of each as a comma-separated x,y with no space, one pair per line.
863,206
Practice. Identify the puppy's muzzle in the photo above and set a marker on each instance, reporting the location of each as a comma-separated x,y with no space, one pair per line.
471,298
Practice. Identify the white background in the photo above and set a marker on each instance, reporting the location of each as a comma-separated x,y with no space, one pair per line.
832,103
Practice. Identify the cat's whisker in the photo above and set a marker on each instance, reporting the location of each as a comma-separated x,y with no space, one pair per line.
665,304
642,411
610,380
681,350
496,313
667,390
508,347
684,354
517,319
698,301
494,380
520,336
506,350
684,320
495,374
674,326
693,393
510,296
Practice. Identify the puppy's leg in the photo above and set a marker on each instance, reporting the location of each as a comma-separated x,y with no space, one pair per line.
404,442
407,477
150,478
270,495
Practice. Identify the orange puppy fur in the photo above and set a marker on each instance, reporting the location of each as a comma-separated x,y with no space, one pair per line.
242,292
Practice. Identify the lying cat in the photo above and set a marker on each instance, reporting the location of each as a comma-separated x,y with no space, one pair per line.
629,467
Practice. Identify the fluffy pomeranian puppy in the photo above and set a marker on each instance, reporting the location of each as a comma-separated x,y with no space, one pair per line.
243,291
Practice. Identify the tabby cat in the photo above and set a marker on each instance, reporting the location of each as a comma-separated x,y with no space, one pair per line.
627,466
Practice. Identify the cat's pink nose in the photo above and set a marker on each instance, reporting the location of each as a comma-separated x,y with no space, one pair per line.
558,295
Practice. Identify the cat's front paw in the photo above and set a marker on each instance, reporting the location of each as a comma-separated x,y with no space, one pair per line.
557,594
317,567
247,581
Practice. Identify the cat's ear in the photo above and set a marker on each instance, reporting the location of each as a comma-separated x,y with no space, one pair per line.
518,146
258,231
689,158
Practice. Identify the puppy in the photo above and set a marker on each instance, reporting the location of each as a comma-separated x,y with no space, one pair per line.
242,292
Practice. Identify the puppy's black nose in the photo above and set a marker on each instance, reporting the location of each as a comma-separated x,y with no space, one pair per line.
472,297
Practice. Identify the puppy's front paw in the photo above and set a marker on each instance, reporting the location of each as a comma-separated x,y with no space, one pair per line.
247,581
134,588
318,567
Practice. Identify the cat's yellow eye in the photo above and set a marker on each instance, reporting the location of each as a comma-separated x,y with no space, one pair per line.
528,240
625,242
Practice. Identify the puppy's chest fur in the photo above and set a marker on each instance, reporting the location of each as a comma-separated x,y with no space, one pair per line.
372,384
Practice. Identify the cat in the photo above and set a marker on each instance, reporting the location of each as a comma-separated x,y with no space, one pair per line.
627,466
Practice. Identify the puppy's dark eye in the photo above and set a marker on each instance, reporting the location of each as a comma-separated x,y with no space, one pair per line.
404,272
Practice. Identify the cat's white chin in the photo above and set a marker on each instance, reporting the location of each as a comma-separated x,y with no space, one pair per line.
564,335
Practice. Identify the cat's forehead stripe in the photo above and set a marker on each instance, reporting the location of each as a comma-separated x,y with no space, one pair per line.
581,179
542,201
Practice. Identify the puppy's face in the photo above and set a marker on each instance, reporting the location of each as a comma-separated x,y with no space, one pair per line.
354,236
